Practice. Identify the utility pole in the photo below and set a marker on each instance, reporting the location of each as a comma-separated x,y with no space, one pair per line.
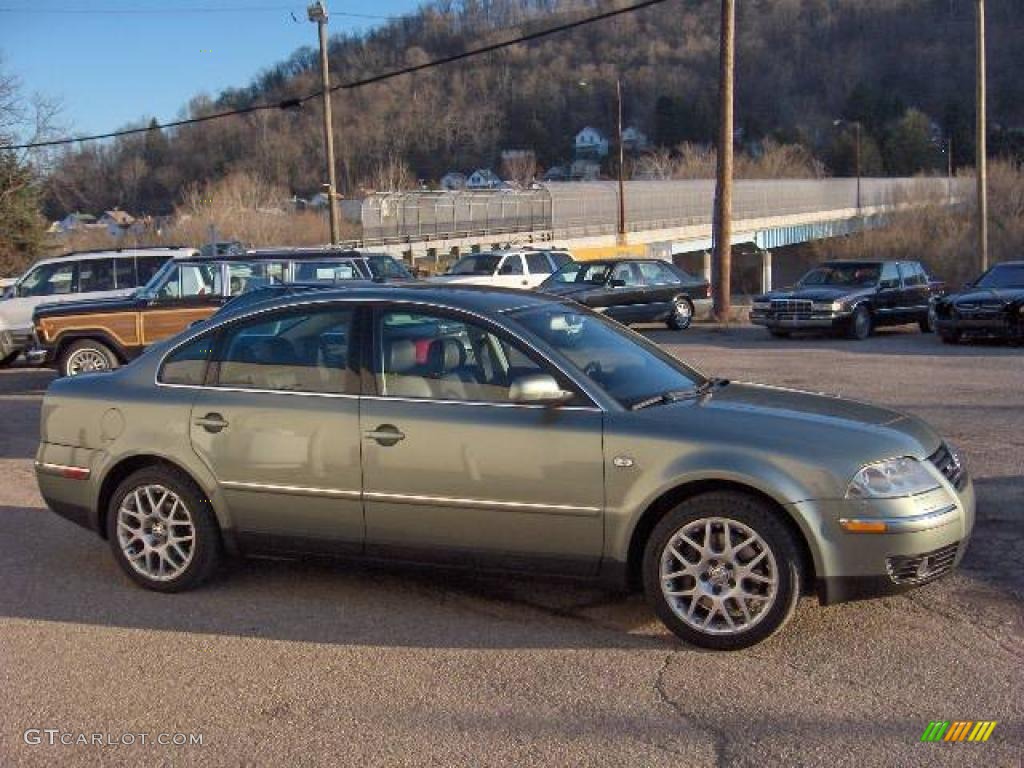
318,12
721,269
622,162
856,128
982,157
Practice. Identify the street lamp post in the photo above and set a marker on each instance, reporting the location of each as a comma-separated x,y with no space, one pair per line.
318,13
982,156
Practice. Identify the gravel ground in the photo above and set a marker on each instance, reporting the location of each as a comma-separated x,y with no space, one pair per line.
298,663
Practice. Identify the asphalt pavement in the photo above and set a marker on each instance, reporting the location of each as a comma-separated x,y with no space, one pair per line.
309,663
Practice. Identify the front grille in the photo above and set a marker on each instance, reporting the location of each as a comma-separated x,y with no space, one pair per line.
911,569
794,306
949,466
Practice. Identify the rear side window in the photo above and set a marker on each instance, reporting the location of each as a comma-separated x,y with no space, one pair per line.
96,275
289,352
560,258
187,364
538,264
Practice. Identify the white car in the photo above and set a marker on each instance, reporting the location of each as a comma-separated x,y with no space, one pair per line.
521,269
77,276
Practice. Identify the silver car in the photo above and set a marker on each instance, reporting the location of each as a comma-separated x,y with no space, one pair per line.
498,430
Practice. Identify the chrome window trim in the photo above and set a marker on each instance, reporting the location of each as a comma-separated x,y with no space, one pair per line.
455,501
586,387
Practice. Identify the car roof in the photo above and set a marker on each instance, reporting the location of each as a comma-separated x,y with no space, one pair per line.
106,253
278,254
1009,264
474,298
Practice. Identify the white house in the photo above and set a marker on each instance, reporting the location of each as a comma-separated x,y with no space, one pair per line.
453,180
484,178
591,142
634,140
117,222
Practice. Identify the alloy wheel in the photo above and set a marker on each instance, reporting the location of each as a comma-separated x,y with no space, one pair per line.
718,576
86,360
156,532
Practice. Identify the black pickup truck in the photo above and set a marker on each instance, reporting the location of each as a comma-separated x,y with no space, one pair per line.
851,297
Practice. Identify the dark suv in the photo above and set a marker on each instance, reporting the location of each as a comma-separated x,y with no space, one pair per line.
851,297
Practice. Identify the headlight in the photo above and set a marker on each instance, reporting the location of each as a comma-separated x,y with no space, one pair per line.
826,306
891,479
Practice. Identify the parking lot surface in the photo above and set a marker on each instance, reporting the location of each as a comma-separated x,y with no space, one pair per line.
302,663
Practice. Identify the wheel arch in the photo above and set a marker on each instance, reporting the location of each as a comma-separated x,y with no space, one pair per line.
127,465
66,339
672,497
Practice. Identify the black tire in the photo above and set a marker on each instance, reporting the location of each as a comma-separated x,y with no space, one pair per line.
756,516
6,362
778,333
682,314
207,546
950,337
861,323
927,323
99,355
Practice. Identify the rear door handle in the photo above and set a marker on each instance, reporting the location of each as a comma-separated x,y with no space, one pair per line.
386,434
211,422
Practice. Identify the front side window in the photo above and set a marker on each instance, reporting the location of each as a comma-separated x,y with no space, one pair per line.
328,271
387,268
289,352
96,275
626,275
513,265
476,264
594,273
890,276
185,281
429,356
53,279
655,273
244,277
538,264
626,366
187,364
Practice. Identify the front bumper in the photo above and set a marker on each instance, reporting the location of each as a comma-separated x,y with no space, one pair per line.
924,538
981,324
14,340
796,320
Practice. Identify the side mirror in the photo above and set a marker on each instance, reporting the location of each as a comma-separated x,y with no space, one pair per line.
617,282
538,389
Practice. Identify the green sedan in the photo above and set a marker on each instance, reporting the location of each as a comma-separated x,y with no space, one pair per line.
501,431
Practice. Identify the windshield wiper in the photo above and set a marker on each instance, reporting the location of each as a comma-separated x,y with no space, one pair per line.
676,395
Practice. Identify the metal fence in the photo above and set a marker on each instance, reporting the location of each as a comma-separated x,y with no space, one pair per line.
579,209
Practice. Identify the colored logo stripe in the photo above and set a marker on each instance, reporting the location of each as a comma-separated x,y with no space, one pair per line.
958,730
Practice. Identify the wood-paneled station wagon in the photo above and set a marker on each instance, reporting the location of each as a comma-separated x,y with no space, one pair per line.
86,336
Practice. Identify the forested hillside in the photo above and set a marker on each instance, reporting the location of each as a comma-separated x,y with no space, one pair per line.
901,67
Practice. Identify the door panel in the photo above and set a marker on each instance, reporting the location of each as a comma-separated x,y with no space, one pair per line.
484,484
287,465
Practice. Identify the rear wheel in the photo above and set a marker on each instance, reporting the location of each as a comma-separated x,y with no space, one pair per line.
162,530
722,571
927,323
860,323
87,356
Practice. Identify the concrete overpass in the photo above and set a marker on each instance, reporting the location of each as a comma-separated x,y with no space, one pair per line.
663,218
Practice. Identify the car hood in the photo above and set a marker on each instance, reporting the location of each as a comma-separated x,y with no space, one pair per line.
467,279
974,295
789,425
87,307
816,293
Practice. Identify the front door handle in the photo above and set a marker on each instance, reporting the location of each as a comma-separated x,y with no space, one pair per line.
386,435
211,422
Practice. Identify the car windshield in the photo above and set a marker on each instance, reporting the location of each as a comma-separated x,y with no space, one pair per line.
622,363
477,264
387,268
843,274
576,272
1003,276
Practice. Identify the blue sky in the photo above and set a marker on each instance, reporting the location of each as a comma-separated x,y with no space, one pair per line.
110,67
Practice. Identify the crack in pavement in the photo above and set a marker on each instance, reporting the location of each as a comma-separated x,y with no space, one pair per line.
718,739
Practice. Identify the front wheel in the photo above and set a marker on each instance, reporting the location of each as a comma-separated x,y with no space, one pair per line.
162,530
87,356
860,323
722,571
927,323
682,314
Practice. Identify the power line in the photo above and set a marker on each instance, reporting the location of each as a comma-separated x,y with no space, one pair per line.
192,9
298,101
